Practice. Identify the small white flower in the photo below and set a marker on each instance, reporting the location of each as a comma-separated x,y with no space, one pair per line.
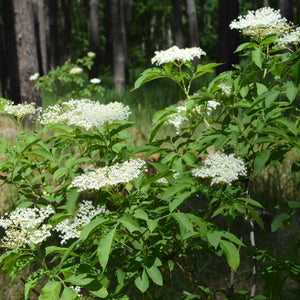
76,70
260,23
225,89
76,289
109,175
91,54
221,168
70,227
95,80
84,113
19,110
291,37
174,54
178,120
34,77
24,226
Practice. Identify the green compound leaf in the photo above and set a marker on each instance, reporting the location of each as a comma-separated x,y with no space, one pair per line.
155,275
280,220
130,223
51,291
184,221
232,254
19,265
104,247
257,57
142,282
32,280
261,160
149,75
80,279
68,294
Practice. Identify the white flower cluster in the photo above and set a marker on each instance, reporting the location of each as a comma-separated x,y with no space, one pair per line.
91,54
76,70
221,168
19,110
291,37
109,175
95,80
225,89
164,181
24,226
77,290
177,119
176,54
34,77
260,23
84,113
70,227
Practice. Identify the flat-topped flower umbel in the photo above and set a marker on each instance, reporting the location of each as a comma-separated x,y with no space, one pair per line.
84,113
69,228
19,110
261,23
221,168
290,37
24,226
109,176
175,54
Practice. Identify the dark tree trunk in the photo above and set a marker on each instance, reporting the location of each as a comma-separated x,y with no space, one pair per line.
37,37
286,9
254,4
178,26
3,53
10,58
193,24
26,50
298,11
53,34
108,34
94,35
201,14
42,20
266,3
65,30
119,43
228,39
125,11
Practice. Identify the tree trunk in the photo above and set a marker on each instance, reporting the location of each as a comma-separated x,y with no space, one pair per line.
26,50
266,3
178,26
11,60
108,34
254,4
119,43
3,52
42,35
37,36
286,9
65,30
53,34
193,25
125,11
94,35
298,11
201,15
228,39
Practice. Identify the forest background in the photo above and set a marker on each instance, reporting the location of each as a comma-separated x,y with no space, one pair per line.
39,36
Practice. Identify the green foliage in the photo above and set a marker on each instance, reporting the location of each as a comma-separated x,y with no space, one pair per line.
71,80
162,219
